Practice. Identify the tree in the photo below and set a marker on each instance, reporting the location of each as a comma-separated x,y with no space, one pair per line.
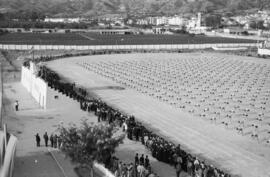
89,143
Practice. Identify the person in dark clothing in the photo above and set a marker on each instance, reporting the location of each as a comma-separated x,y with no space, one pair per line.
136,131
16,105
38,140
142,159
136,159
146,162
51,140
46,138
55,141
210,172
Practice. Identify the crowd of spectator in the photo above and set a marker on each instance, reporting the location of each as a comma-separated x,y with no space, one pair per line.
161,149
47,58
139,168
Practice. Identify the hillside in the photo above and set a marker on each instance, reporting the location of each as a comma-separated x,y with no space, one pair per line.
101,7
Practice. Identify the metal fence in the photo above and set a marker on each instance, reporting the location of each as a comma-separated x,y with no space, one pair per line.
125,47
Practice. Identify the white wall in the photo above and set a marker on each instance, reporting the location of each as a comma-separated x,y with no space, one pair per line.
41,92
34,85
7,153
264,52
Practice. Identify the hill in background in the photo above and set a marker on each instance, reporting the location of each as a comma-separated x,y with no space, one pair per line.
88,8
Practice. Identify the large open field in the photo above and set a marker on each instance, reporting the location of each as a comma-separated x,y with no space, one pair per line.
149,95
97,39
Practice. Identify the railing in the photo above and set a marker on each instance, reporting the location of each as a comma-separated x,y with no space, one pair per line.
7,141
1,96
7,153
125,47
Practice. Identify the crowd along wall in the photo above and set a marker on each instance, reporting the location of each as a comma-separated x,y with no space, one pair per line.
45,95
124,47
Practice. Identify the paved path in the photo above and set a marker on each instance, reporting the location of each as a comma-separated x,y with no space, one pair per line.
237,154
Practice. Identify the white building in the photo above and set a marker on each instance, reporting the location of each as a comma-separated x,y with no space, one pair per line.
176,20
62,20
161,21
192,23
142,22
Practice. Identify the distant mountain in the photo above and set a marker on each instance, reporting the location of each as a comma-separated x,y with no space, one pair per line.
101,7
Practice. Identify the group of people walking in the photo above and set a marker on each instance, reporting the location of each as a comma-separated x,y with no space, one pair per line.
161,149
53,139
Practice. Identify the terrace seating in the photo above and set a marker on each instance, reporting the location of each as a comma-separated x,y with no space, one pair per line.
229,92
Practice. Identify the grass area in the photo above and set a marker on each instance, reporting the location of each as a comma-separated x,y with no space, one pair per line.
98,39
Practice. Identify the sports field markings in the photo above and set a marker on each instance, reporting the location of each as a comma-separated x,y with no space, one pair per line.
87,37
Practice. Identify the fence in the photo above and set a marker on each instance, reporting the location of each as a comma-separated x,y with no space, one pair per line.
125,47
7,153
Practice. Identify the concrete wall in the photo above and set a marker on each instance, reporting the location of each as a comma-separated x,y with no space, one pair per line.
44,95
123,47
7,153
34,85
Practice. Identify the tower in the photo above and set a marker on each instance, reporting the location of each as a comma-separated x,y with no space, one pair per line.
199,20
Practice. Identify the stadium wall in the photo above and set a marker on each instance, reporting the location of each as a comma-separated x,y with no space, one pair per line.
7,153
124,47
45,96
34,85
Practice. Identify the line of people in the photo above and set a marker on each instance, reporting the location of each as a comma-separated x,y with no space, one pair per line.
161,149
46,58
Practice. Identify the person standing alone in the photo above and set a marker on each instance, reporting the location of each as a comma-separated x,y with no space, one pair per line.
16,104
